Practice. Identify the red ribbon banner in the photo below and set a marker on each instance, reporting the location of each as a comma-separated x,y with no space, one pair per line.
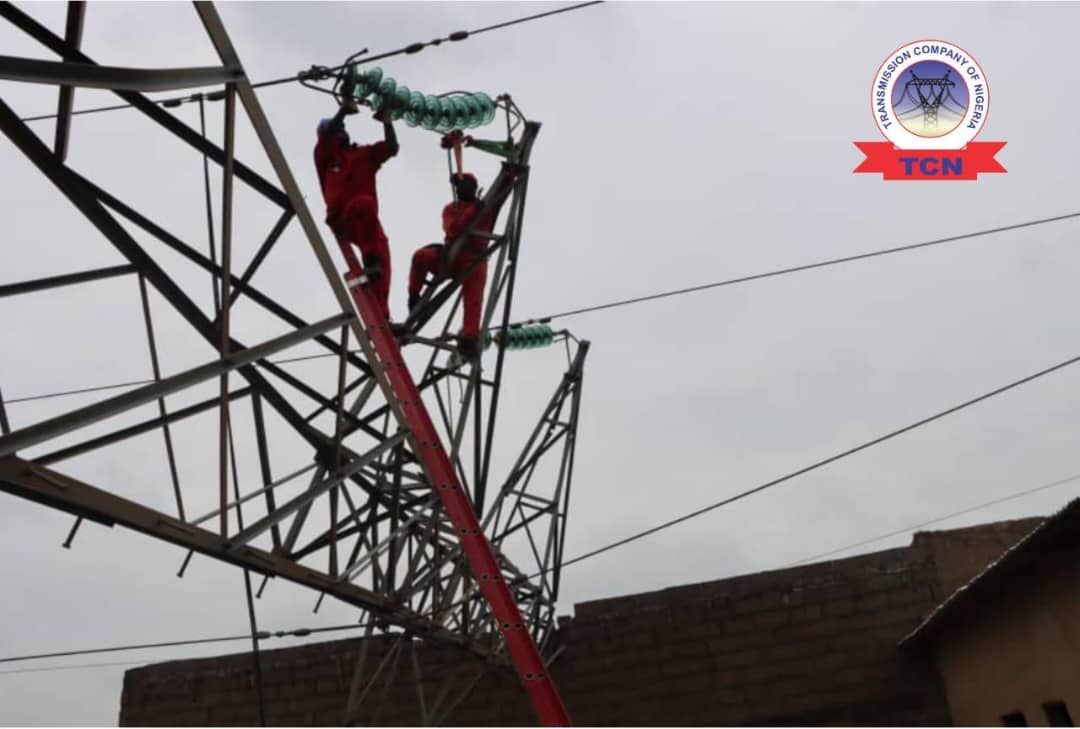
930,164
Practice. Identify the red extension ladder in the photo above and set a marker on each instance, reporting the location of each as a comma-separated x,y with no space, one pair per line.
440,472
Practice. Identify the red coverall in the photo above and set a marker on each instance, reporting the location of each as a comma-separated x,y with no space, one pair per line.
456,217
347,176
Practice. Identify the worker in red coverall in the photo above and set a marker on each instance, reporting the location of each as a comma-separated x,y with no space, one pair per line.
347,176
429,259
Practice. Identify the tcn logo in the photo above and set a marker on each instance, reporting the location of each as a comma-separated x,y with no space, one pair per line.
930,99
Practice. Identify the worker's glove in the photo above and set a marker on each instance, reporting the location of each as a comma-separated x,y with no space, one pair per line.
451,139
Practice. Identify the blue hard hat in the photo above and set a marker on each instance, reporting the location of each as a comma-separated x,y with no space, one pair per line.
324,126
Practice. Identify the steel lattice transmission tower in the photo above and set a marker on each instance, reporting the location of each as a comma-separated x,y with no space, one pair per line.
376,513
931,94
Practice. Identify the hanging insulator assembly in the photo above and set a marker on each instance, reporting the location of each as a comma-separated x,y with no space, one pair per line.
437,113
530,337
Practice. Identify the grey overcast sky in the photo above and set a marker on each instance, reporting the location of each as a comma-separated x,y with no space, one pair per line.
682,143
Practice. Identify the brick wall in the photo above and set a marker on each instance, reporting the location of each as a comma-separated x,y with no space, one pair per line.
807,645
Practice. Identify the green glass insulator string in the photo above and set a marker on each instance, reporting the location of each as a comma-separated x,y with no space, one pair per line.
531,337
437,113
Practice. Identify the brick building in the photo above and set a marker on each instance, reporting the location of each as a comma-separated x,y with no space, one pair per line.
815,644
1007,645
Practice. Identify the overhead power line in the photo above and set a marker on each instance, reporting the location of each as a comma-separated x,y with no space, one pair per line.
73,667
651,297
824,462
84,390
80,391
808,266
261,635
508,23
456,36
409,49
936,520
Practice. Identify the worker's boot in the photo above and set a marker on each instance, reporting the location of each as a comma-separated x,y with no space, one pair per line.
372,267
469,347
414,300
373,272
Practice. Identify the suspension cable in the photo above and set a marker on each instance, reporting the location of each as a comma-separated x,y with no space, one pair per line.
459,35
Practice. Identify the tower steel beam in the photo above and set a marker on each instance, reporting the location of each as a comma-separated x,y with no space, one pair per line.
202,261
46,429
323,540
513,232
114,78
264,465
293,197
138,429
155,367
5,426
260,255
43,284
57,45
76,14
324,485
57,490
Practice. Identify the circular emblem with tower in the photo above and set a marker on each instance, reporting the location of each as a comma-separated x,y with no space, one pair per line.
930,99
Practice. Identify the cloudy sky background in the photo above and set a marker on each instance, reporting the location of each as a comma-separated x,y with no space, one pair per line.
682,144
